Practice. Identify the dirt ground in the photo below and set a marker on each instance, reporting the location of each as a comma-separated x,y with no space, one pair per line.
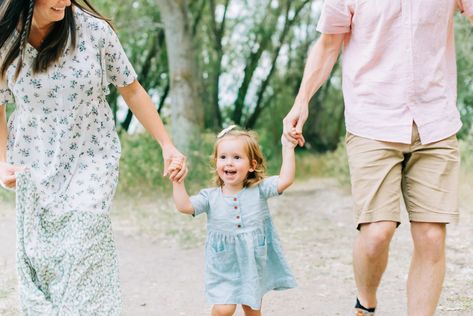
162,262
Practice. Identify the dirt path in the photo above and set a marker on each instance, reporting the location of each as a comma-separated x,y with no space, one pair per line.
162,264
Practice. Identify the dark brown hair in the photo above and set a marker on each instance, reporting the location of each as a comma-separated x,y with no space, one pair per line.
18,14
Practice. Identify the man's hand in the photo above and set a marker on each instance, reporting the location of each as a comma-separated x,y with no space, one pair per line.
294,122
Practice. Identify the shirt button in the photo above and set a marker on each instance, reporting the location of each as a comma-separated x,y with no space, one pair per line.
234,199
238,217
239,226
235,207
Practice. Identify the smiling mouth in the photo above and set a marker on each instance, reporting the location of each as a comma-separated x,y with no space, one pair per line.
59,9
231,173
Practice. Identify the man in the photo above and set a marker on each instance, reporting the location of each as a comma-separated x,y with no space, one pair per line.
399,85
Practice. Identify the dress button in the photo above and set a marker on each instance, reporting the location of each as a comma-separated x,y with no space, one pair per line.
235,207
234,199
238,217
239,226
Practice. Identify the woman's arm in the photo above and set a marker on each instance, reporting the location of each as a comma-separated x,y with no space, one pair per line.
3,133
288,166
181,198
144,109
7,171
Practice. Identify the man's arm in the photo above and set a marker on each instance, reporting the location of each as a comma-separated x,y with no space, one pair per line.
319,65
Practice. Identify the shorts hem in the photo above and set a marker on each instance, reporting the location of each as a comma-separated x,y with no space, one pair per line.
431,217
367,217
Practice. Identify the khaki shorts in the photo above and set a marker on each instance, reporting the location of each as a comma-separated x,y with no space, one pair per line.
427,176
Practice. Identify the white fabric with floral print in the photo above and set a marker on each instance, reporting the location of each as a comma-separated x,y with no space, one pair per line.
63,131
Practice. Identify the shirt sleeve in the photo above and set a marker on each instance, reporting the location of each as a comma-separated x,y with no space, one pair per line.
6,96
200,202
466,7
269,187
335,17
118,69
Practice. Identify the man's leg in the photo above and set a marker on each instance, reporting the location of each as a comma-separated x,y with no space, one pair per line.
427,268
370,258
430,188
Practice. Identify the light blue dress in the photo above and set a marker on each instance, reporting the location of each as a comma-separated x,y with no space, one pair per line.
244,258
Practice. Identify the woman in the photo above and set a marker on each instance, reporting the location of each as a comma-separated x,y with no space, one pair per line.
57,58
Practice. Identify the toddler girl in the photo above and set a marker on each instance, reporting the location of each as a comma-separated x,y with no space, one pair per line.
244,259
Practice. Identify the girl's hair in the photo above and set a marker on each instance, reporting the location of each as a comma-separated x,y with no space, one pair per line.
18,14
252,150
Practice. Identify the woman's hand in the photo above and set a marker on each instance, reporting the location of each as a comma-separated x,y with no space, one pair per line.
8,175
294,122
174,164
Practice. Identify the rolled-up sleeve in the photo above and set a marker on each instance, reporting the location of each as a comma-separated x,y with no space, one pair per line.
336,17
269,187
466,7
200,202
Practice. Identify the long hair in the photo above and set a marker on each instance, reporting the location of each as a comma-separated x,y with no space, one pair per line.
17,15
253,151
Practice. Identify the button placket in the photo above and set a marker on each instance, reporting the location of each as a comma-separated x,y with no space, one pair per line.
238,215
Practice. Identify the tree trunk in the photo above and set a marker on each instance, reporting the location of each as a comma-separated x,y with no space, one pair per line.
187,114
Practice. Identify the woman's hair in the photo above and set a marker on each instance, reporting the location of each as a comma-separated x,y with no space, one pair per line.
253,151
18,15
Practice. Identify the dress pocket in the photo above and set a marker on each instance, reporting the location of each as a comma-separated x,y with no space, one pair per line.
222,262
261,253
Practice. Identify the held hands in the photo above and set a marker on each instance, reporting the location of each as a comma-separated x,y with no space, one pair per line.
286,143
294,122
174,164
8,175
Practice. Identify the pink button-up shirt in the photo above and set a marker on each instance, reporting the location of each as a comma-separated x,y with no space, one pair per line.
399,66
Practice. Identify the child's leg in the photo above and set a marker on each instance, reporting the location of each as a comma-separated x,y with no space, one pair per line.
223,309
250,312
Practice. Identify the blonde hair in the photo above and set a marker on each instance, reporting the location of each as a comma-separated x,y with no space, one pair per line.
253,151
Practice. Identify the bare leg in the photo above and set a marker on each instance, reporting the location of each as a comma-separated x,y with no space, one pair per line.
223,309
427,271
250,312
370,258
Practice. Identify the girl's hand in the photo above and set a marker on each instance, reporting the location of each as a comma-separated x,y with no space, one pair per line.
8,175
288,143
174,163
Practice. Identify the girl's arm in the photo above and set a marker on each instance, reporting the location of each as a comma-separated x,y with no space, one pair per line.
181,198
144,109
288,167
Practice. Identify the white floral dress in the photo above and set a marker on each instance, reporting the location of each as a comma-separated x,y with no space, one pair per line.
63,131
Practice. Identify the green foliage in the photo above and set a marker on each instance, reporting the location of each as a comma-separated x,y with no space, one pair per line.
464,43
466,146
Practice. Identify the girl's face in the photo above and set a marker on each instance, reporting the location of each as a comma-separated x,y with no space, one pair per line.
233,163
49,11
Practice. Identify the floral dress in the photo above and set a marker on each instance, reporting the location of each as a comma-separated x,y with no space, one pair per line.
62,131
243,254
